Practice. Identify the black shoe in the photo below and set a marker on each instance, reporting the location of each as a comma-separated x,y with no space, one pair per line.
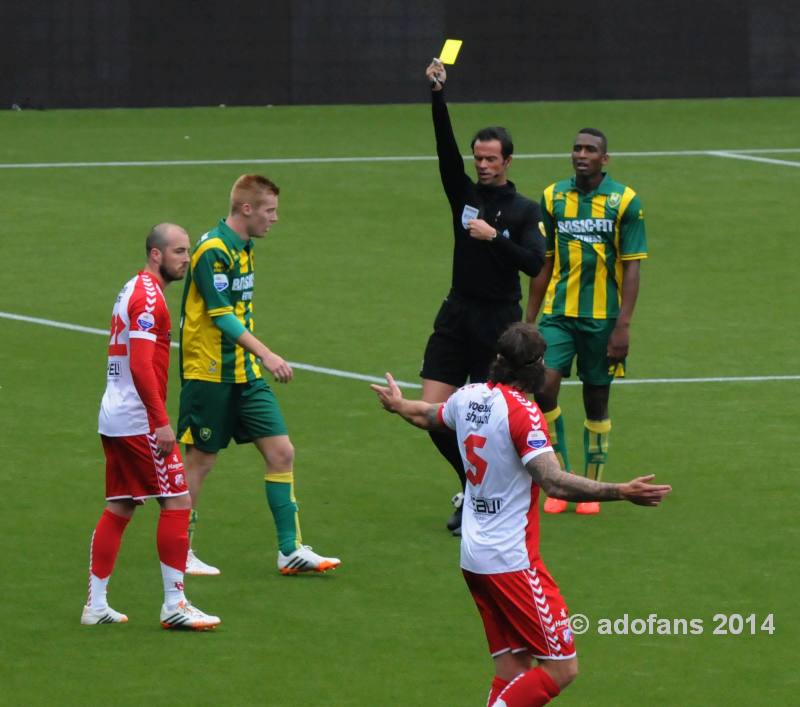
457,532
454,521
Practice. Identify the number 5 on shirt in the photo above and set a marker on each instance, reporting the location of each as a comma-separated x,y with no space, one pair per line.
478,465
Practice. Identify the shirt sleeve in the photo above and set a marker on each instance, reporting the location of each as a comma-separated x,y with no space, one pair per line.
145,327
146,382
451,164
528,431
547,224
211,267
229,325
528,254
448,412
633,239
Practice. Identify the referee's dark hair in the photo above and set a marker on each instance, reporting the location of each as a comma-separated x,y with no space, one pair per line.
520,357
495,132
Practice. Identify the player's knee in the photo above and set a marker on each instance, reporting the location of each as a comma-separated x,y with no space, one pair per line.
281,458
595,398
197,463
570,672
545,402
546,399
563,672
176,503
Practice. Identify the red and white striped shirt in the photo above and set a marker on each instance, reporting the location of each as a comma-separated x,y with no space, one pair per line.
499,430
138,361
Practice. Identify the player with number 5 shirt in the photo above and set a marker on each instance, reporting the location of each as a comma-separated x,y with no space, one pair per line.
508,457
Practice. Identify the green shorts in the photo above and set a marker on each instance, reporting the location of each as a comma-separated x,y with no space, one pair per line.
213,413
586,338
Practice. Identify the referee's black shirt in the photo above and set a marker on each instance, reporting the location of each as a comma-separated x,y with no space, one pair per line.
486,270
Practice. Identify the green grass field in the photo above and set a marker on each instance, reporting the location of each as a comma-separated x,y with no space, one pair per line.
350,279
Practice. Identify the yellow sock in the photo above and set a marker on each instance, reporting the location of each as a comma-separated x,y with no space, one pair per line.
555,426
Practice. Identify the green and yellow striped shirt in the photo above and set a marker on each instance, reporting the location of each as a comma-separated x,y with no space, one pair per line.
589,236
220,281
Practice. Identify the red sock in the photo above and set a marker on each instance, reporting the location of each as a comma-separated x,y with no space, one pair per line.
105,543
172,538
531,689
498,685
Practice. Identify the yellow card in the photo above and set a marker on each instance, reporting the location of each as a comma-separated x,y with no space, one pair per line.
450,51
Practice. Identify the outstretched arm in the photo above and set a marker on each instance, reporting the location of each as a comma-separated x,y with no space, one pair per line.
417,412
546,472
451,164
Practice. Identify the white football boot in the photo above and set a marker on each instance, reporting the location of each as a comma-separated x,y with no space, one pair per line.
304,559
189,617
196,567
91,616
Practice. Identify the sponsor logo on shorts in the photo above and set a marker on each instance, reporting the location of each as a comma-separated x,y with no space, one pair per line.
537,439
179,479
145,321
567,634
220,282
205,433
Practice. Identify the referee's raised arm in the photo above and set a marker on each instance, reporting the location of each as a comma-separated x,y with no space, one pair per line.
451,164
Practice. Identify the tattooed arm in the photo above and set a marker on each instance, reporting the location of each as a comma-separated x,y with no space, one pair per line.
546,473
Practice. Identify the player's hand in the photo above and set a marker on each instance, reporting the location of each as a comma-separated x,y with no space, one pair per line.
643,493
617,348
390,397
436,75
480,230
165,440
281,370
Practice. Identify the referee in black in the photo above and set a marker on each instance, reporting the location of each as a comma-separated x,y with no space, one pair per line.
497,233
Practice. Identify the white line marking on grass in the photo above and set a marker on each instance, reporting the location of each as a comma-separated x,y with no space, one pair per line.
752,158
300,366
406,384
714,379
387,158
54,324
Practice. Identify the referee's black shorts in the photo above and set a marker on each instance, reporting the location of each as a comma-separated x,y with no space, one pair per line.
464,338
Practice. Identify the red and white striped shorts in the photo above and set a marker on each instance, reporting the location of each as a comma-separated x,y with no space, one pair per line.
523,611
134,470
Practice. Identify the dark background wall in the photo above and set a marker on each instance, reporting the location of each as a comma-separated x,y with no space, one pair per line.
59,53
